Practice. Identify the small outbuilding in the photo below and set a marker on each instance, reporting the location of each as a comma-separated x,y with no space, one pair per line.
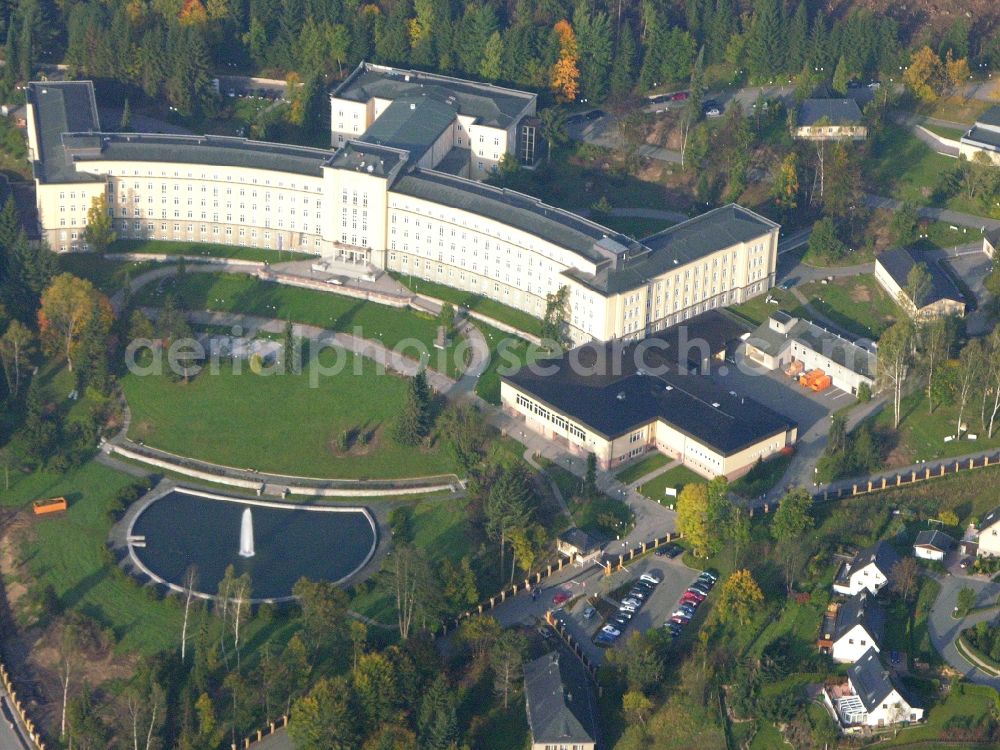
892,271
577,543
932,545
830,120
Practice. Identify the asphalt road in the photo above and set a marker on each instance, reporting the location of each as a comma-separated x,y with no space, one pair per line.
944,629
11,737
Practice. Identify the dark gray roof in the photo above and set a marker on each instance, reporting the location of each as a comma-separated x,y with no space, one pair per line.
985,136
873,682
413,122
989,519
205,149
612,391
934,538
882,554
558,701
61,107
860,609
832,111
381,161
560,227
682,243
490,105
580,539
830,345
990,117
898,262
993,237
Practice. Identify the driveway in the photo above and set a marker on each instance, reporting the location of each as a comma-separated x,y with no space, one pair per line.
943,629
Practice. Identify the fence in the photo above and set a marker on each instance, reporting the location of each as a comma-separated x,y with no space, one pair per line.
34,738
260,734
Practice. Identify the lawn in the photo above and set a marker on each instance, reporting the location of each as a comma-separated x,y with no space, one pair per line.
107,275
507,355
950,133
966,706
639,469
855,303
904,167
283,423
66,552
239,293
939,234
921,435
518,319
756,310
676,477
603,516
206,250
761,477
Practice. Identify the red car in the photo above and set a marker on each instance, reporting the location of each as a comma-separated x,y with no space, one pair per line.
699,595
560,598
688,598
680,96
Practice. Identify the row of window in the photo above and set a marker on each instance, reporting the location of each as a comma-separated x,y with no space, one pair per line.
556,419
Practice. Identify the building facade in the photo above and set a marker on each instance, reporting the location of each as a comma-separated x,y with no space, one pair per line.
830,120
942,298
381,201
983,137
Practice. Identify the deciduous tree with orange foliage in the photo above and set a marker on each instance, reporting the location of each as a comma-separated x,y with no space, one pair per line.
565,79
192,14
67,307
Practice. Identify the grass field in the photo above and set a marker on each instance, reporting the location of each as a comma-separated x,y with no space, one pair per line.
107,275
65,551
641,468
206,250
855,303
519,319
756,310
904,167
279,423
238,293
950,133
966,706
676,477
507,355
921,435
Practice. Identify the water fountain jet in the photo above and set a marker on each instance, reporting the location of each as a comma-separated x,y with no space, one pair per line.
246,534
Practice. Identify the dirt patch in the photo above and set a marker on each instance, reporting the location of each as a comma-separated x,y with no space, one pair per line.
359,442
142,429
861,293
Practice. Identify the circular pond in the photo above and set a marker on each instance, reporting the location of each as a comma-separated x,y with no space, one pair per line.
187,527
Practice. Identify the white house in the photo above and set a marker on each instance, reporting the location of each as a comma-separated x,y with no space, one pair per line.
989,534
983,137
852,628
874,697
869,570
561,707
932,545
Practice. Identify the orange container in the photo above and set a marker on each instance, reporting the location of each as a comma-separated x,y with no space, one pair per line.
822,383
51,505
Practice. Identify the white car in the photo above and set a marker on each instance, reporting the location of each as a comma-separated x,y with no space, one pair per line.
632,602
653,578
627,608
612,631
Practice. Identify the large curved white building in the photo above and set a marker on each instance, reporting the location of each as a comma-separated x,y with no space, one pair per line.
392,194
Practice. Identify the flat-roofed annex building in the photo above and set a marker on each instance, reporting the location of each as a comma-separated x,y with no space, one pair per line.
377,203
603,399
983,137
784,339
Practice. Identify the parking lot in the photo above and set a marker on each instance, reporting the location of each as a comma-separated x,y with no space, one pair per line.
655,611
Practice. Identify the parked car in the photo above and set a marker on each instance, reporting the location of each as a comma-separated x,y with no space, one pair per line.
643,586
875,85
660,99
588,613
627,608
966,562
632,602
637,593
561,597
604,640
710,576
620,620
711,108
698,596
680,96
701,587
688,607
611,630
680,619
653,576
669,550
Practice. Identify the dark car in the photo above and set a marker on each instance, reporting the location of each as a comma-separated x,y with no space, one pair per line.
604,640
594,114
620,621
669,550
966,562
701,587
661,99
